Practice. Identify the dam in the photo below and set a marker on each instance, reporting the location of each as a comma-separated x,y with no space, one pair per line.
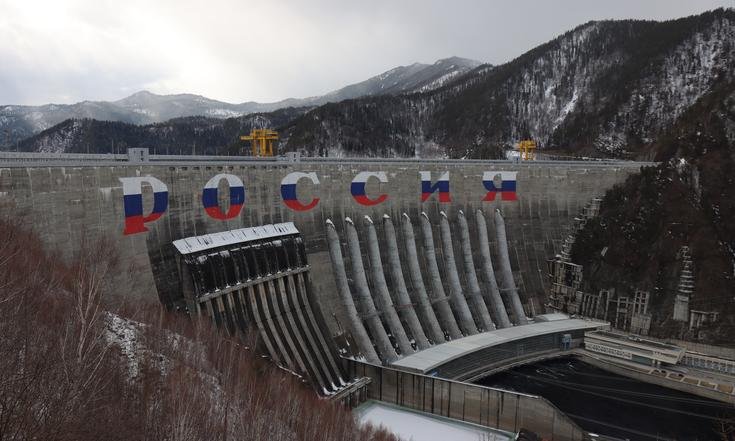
412,274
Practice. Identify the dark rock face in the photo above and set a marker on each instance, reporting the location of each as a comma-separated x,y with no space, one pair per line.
687,201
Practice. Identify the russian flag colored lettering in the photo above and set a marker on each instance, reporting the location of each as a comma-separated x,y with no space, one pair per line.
133,203
442,185
288,191
210,198
357,188
507,188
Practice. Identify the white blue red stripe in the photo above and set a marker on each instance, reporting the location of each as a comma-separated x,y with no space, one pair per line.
357,188
288,190
133,202
507,188
210,197
442,186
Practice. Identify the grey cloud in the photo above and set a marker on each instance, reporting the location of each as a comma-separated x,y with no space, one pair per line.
268,50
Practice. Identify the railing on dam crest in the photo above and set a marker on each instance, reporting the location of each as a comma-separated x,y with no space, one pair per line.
141,156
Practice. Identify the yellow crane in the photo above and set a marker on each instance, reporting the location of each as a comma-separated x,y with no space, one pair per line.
527,147
261,141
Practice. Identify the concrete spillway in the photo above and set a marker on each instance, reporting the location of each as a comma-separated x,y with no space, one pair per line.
442,315
257,279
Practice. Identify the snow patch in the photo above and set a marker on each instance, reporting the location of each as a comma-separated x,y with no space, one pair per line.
419,426
223,113
685,75
439,82
124,334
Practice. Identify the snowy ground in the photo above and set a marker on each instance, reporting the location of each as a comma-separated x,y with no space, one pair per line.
418,426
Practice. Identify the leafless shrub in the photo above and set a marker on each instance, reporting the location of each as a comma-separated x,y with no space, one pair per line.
63,378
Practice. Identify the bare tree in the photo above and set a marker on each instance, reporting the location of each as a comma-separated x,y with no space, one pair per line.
64,377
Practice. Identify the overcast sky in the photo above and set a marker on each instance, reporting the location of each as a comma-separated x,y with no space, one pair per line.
65,51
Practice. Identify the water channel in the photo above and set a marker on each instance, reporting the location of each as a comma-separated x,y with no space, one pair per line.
616,406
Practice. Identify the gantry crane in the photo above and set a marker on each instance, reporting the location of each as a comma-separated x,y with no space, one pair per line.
261,141
527,148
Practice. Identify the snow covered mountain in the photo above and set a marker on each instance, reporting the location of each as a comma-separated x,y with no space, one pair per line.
187,135
608,88
405,79
19,122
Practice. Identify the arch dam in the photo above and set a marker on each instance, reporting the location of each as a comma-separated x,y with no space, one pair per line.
414,273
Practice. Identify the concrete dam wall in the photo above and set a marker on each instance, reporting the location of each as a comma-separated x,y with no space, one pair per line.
70,200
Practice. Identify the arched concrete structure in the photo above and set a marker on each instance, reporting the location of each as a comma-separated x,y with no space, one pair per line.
68,198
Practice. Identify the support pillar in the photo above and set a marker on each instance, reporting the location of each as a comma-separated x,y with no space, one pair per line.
509,285
426,311
405,306
380,289
439,297
475,295
367,307
456,296
356,326
492,297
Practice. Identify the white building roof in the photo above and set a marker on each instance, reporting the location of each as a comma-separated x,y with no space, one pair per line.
435,356
550,317
213,240
633,344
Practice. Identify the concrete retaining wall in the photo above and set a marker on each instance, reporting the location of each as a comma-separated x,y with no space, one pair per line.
703,348
712,394
481,405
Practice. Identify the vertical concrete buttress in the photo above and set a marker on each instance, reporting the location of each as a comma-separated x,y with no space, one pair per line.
456,296
358,330
405,306
475,295
370,314
426,312
509,285
380,290
440,298
493,297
